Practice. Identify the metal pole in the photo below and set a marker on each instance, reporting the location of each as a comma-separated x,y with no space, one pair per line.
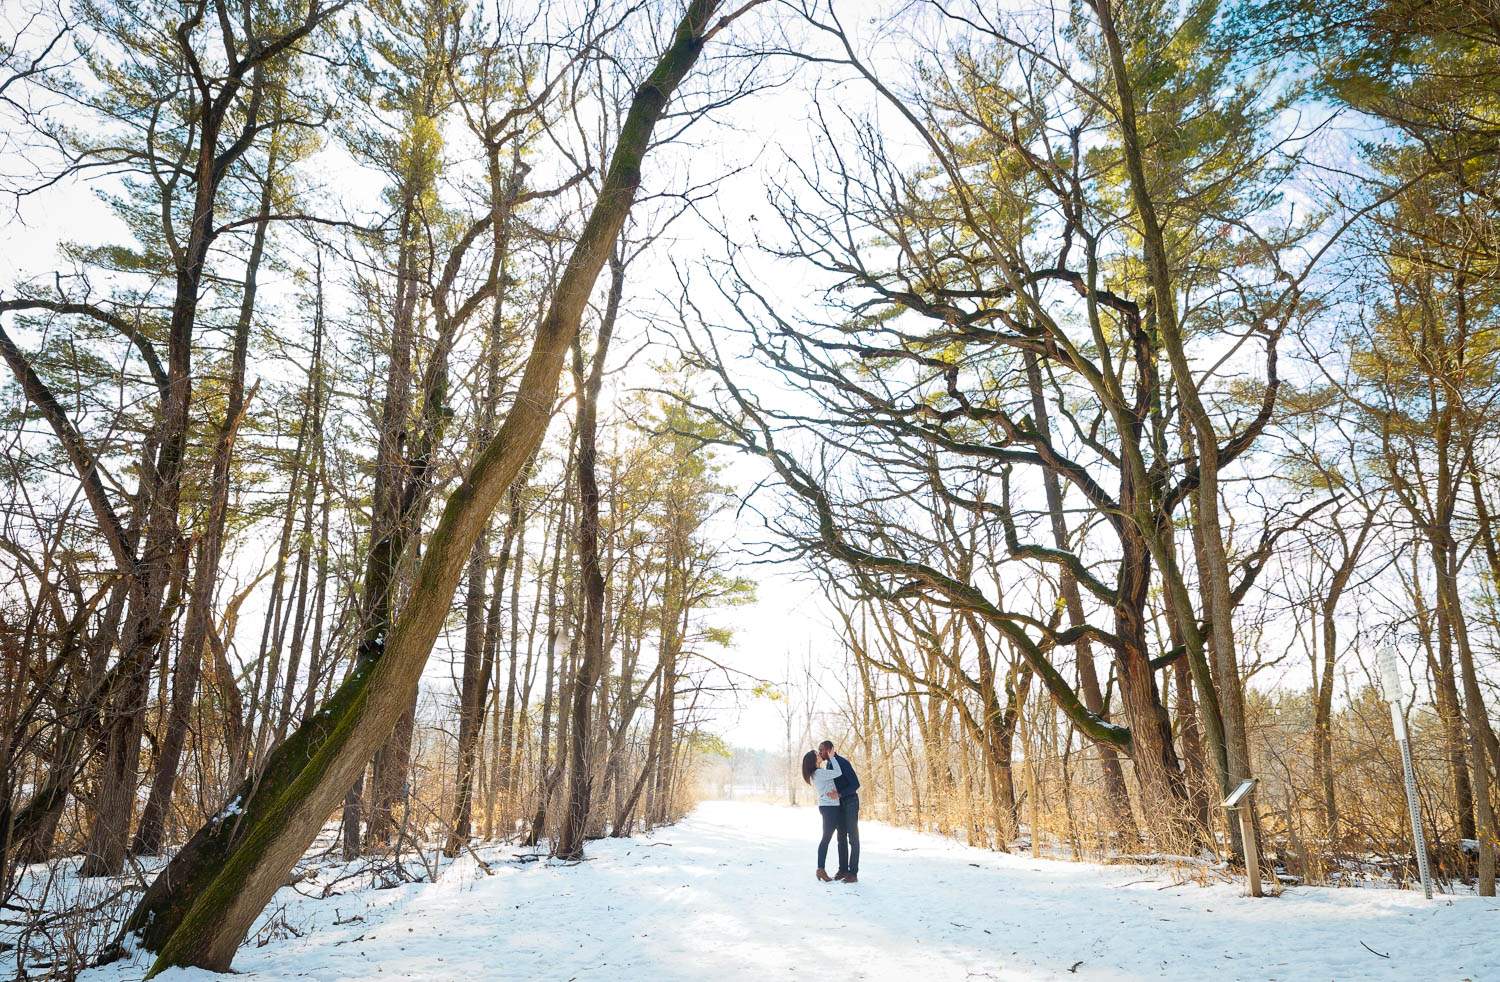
1413,806
1390,677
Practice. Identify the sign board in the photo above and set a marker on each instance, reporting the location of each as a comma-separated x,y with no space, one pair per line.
1390,675
1391,687
1235,801
1238,795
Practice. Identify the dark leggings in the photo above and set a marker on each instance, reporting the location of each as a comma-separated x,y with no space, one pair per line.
833,820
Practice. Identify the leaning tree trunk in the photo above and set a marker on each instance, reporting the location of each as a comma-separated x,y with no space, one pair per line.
221,881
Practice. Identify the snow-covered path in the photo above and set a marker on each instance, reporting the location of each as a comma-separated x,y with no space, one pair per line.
728,894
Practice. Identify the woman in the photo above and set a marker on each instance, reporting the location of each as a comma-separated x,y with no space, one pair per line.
821,773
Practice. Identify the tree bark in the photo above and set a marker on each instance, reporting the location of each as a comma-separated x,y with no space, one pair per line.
581,777
1439,651
481,619
1475,714
214,894
1219,607
194,646
1088,677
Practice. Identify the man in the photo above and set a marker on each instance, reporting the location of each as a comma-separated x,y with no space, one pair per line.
847,786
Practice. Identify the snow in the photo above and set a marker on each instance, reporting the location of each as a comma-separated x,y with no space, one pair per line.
729,894
230,810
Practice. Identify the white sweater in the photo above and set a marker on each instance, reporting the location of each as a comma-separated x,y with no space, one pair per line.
823,779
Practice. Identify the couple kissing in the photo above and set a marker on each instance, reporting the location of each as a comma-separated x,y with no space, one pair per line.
837,786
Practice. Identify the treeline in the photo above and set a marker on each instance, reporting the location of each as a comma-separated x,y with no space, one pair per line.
1150,394
1124,372
323,385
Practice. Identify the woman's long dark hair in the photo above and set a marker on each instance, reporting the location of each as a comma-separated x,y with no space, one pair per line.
809,764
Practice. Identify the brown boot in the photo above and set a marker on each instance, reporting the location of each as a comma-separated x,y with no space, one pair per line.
841,876
851,877
823,875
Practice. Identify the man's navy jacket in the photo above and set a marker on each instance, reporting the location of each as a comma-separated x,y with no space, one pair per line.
847,783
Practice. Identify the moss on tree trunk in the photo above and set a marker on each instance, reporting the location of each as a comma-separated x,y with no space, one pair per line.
213,891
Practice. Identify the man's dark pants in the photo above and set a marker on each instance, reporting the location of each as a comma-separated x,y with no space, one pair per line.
849,835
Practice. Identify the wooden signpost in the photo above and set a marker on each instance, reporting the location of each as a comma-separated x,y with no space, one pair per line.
1239,803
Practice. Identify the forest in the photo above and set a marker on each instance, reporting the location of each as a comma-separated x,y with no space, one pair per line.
421,420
